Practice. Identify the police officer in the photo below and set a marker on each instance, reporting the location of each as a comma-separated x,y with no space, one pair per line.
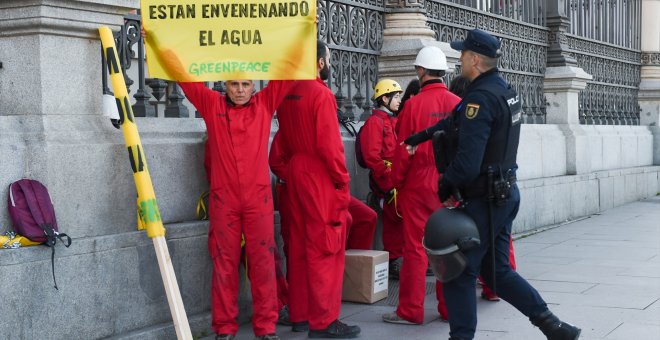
483,135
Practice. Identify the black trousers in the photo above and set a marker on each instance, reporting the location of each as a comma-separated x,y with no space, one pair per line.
460,294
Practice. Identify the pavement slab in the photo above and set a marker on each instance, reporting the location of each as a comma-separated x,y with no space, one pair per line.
600,273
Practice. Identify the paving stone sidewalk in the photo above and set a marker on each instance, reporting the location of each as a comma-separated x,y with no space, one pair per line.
601,273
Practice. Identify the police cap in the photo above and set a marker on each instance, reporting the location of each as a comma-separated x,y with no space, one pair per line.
480,42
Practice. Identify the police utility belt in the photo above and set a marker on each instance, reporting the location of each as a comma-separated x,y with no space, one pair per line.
494,186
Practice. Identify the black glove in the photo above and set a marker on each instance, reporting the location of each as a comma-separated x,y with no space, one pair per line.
444,190
417,138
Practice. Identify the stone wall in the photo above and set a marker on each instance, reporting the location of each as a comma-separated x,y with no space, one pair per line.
109,280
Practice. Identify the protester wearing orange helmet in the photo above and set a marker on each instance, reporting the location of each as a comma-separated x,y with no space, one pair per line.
378,142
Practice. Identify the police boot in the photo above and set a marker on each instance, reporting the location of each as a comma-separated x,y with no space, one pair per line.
555,329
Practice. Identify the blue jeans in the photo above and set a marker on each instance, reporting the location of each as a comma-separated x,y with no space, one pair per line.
459,293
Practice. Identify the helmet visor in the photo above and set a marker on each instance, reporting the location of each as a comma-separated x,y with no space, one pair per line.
447,265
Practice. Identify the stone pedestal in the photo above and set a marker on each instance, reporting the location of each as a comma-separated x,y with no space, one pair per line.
405,34
562,86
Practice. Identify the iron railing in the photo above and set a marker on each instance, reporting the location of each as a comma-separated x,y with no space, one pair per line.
353,30
605,40
529,11
615,22
524,48
603,37
611,97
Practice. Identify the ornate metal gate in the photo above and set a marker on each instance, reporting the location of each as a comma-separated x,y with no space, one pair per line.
603,37
524,45
353,29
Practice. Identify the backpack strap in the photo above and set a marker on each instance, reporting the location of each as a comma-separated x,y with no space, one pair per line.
51,234
31,200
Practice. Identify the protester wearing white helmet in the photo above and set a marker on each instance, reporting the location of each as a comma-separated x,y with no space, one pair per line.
416,179
431,58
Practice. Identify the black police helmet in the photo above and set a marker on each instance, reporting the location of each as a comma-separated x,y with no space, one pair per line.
449,233
450,227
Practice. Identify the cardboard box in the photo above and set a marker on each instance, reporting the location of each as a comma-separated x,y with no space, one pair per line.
365,276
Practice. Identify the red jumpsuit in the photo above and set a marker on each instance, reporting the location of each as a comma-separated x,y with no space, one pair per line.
416,178
278,162
240,201
317,181
360,225
378,142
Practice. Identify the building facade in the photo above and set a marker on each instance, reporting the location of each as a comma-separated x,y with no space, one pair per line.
588,72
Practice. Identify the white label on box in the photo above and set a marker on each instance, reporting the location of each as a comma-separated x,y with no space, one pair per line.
380,277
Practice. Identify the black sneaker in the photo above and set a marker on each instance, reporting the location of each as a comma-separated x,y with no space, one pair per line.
302,326
555,329
283,318
394,268
271,336
336,330
225,337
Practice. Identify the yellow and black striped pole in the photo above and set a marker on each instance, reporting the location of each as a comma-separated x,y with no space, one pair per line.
147,206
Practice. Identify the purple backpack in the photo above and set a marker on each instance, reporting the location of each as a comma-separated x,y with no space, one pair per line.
33,215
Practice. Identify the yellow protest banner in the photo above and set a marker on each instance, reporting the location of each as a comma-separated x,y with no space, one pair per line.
208,40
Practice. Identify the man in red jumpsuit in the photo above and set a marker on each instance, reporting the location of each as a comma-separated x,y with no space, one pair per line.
378,142
317,184
238,127
416,178
360,225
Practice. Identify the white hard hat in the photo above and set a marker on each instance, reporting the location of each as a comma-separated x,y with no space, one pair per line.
431,58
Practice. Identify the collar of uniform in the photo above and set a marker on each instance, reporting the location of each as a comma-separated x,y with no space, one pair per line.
382,113
432,81
490,72
434,85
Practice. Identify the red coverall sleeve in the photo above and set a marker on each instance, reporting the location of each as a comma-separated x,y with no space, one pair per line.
274,93
401,163
329,143
278,158
371,142
202,97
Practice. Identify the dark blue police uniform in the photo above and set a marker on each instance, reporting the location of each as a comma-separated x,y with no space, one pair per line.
481,142
486,130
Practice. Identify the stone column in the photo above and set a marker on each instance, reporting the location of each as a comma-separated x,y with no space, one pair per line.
405,34
649,87
562,85
51,102
52,130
